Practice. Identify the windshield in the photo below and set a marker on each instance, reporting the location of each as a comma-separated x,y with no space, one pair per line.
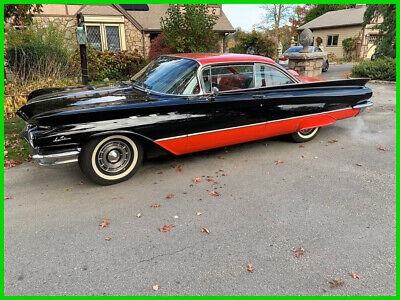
169,75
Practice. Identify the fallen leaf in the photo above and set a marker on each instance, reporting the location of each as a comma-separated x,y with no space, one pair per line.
104,223
221,157
224,174
214,193
80,182
199,213
245,160
155,287
298,252
178,168
169,196
138,215
210,179
155,205
166,228
5,152
358,164
279,161
203,229
197,179
7,197
250,268
332,141
108,238
336,283
355,276
301,146
9,163
159,172
382,148
303,156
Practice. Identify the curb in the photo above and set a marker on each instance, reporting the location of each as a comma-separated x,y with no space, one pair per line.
382,82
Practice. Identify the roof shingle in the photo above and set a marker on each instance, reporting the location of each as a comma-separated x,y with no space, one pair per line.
338,18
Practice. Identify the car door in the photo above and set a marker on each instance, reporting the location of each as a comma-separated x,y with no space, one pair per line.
283,106
227,113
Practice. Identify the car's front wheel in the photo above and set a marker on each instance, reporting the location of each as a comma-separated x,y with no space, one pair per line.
111,159
304,135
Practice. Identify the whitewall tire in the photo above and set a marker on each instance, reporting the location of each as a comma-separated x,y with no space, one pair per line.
304,135
111,159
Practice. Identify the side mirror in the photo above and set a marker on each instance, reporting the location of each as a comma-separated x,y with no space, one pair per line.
214,91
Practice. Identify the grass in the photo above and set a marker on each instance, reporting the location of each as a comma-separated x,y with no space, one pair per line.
15,148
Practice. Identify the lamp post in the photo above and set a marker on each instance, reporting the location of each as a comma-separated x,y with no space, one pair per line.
81,38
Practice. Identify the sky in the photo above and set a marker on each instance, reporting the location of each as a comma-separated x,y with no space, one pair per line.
243,15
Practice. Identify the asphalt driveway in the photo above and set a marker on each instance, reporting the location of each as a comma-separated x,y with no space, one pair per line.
334,197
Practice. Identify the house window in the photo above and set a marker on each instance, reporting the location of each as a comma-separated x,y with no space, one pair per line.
113,39
94,37
105,36
372,38
332,40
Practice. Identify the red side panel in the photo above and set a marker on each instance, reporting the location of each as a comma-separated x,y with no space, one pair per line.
226,137
176,146
208,140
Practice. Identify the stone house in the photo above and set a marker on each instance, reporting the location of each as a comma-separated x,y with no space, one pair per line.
119,27
333,27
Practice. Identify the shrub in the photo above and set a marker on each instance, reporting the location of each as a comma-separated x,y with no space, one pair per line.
38,52
379,69
349,46
111,65
159,46
255,43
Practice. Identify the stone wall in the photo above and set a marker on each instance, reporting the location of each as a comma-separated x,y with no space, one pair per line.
69,23
307,67
133,38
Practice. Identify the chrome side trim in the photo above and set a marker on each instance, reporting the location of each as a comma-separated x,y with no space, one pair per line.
248,125
57,158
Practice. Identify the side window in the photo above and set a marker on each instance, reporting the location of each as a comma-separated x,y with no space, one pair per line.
229,78
207,80
269,76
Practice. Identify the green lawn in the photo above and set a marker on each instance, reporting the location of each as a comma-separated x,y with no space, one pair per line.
16,147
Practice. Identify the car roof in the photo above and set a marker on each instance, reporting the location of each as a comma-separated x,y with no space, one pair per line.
209,58
301,47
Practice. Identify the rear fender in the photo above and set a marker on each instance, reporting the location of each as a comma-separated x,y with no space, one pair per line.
317,121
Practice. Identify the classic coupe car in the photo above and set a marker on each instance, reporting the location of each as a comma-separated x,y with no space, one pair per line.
182,103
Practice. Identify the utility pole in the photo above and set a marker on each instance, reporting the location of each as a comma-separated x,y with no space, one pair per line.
81,37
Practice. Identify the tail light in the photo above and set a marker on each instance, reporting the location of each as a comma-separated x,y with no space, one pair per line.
282,58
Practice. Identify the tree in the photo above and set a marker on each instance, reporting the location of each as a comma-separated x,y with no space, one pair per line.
20,14
300,13
321,9
189,28
386,41
255,42
280,14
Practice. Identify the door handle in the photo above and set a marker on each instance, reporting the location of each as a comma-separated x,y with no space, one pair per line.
259,97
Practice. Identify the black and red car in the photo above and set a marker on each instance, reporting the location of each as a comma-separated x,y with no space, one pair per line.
182,103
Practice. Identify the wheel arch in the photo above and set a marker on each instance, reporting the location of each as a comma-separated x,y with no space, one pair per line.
148,144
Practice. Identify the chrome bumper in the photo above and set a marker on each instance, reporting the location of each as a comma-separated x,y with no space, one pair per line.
363,106
57,158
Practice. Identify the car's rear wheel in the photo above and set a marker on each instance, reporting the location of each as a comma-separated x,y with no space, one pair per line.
304,135
111,159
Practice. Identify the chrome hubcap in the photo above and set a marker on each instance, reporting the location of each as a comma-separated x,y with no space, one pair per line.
307,131
114,156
